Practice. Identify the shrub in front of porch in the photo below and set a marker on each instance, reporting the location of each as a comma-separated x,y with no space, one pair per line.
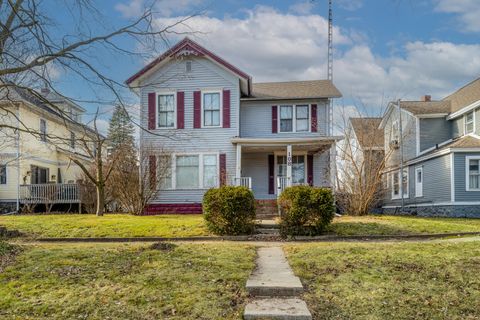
229,210
305,210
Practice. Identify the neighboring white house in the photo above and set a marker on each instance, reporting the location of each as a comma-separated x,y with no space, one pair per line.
219,127
35,166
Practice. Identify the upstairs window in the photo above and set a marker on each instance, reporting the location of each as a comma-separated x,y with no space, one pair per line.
469,123
211,109
286,118
166,111
295,118
3,174
301,114
43,130
473,173
188,66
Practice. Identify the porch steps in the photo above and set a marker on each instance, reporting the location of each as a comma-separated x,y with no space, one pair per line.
267,227
266,209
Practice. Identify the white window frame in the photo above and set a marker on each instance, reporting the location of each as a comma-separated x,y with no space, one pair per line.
395,135
220,92
160,187
472,123
419,186
294,118
467,172
157,122
200,171
6,174
400,181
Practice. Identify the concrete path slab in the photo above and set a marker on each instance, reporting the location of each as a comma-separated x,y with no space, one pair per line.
277,308
272,276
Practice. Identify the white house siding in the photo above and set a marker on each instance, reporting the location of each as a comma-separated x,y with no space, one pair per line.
409,138
204,75
256,119
461,193
434,131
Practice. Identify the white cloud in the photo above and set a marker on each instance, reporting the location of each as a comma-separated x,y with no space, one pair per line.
275,46
468,12
164,8
303,8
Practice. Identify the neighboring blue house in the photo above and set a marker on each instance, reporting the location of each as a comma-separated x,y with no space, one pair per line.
211,125
440,142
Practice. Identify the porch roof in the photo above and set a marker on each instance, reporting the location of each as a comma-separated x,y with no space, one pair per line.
300,144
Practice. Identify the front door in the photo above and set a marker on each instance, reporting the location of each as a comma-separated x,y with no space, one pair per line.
298,168
39,175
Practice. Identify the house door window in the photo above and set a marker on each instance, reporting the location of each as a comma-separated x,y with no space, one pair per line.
298,168
39,175
419,182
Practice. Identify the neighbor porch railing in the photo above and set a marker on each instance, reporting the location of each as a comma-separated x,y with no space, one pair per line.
50,193
243,182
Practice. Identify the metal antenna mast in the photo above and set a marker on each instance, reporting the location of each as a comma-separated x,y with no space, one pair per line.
330,41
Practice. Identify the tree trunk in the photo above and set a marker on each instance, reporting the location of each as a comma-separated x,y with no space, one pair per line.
100,200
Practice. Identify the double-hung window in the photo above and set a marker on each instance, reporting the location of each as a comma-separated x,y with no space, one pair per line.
469,123
187,172
211,109
43,130
473,173
210,170
395,185
294,118
164,171
166,111
400,184
3,174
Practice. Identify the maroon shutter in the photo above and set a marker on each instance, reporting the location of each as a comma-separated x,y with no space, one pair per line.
152,165
226,108
223,169
271,174
274,119
151,111
310,169
197,112
314,123
180,110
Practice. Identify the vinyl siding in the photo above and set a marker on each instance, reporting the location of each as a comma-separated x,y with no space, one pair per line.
256,119
434,131
205,75
436,183
460,179
409,138
458,127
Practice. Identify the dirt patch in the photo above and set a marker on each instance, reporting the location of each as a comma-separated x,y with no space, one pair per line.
5,233
8,254
162,246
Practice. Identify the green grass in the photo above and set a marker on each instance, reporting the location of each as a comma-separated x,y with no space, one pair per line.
390,281
129,281
110,225
7,254
397,225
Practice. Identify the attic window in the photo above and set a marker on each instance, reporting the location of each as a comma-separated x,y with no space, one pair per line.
469,123
188,66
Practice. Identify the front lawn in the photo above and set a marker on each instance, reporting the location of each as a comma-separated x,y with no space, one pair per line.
110,225
390,280
128,281
397,225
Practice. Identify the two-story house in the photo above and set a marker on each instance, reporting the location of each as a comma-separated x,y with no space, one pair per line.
437,143
35,159
213,126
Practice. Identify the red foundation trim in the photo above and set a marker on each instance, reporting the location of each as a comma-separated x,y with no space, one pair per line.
172,208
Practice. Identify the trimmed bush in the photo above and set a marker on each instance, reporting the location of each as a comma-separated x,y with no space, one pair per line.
305,210
229,210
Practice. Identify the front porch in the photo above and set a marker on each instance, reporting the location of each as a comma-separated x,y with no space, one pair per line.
268,166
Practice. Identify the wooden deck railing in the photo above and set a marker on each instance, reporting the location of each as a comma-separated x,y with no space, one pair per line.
243,182
50,193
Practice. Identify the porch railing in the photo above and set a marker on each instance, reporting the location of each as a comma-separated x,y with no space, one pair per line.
243,182
282,183
50,193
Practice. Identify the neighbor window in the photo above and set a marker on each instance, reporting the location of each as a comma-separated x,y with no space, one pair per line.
43,130
166,111
473,173
395,185
187,172
400,184
164,172
3,174
211,109
210,171
469,123
301,116
72,140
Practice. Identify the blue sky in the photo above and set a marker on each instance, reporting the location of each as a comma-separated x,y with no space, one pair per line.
384,49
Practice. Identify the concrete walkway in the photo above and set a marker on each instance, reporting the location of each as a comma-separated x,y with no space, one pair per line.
275,289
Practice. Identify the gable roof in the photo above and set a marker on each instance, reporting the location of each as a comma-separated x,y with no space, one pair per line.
426,107
187,47
462,142
368,132
464,96
293,90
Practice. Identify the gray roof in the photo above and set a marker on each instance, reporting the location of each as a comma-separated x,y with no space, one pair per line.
464,96
426,107
294,90
460,142
368,133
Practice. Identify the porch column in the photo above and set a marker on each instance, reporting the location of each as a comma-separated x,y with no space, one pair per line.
238,168
289,165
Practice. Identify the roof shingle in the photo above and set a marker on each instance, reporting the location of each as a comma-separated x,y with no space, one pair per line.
426,107
294,90
464,96
368,133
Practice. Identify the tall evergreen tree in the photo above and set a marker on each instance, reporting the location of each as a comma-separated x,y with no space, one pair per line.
120,130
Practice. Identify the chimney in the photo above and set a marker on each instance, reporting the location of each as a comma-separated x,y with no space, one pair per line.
426,98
